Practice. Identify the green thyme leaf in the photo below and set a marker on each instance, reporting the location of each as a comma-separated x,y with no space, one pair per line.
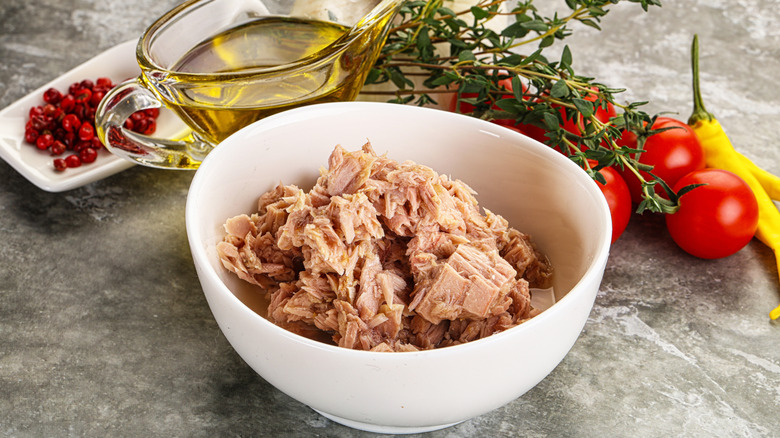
433,51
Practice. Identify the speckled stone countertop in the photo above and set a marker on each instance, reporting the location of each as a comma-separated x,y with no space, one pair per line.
104,330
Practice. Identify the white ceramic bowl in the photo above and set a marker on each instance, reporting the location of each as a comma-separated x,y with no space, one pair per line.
537,189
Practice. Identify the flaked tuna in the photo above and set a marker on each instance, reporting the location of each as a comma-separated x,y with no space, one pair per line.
383,255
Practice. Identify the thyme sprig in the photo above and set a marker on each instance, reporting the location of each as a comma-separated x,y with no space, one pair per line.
434,50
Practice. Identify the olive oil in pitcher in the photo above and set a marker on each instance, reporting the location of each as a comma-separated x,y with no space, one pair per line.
282,53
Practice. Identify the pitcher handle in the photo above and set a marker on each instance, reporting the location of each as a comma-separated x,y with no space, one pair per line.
117,106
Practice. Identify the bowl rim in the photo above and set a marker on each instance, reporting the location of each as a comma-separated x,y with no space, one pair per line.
594,266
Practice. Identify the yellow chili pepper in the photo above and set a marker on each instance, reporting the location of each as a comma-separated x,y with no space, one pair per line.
770,182
719,153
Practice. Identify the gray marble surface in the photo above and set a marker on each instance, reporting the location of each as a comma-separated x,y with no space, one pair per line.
104,330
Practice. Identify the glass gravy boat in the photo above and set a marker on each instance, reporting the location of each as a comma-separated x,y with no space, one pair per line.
220,65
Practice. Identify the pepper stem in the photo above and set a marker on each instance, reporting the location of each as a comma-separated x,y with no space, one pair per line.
699,112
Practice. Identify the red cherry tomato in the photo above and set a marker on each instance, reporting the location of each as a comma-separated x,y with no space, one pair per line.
618,198
466,108
574,126
672,153
714,220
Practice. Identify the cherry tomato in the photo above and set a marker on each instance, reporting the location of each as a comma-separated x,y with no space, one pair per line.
714,220
467,108
618,198
672,153
574,126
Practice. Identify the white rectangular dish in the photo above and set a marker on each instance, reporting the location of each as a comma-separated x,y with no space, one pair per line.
118,64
